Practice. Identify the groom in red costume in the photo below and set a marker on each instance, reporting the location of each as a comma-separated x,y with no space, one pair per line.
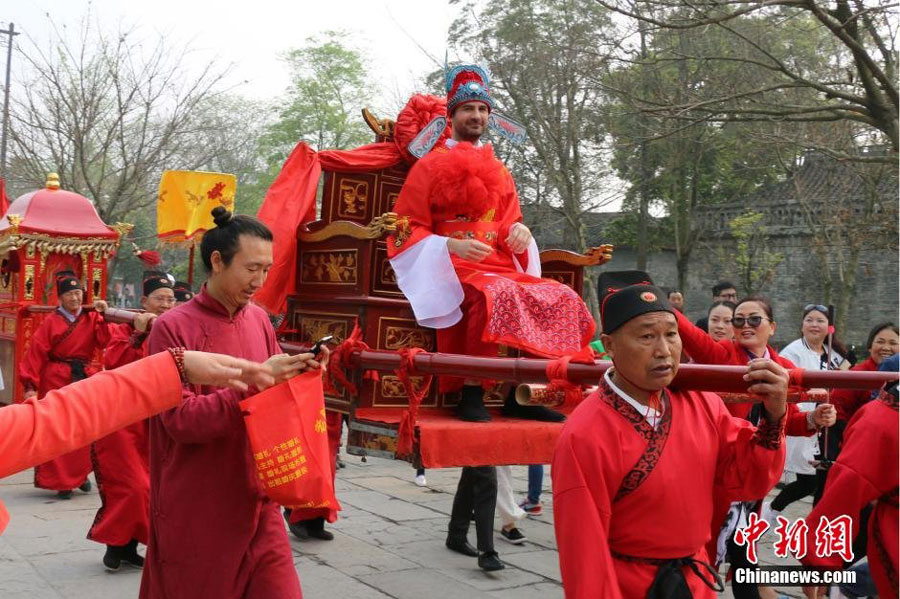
465,261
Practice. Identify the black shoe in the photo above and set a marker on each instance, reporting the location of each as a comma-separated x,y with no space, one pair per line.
64,494
513,535
471,405
461,546
340,463
130,555
298,529
489,561
512,409
112,558
315,528
86,486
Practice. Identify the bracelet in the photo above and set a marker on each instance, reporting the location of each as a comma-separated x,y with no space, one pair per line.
178,356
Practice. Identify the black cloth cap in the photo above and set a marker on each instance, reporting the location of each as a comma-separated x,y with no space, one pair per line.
154,280
611,281
66,281
183,292
618,307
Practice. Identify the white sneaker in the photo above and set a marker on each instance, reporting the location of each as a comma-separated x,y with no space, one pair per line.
769,515
420,480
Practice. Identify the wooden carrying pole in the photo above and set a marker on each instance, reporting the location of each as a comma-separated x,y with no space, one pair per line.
696,377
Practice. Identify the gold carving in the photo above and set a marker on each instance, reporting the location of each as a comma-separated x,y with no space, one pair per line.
400,337
388,276
336,267
97,257
342,228
382,127
353,198
10,326
593,257
29,250
392,387
14,221
96,281
392,199
312,329
29,281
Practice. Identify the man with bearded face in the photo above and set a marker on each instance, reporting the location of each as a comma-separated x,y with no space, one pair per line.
465,261
635,453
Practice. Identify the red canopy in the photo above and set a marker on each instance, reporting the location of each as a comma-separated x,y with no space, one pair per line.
59,213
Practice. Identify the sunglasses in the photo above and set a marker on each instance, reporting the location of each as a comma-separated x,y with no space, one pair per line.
816,307
754,321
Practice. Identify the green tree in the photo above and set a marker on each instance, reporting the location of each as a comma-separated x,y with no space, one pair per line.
754,261
330,85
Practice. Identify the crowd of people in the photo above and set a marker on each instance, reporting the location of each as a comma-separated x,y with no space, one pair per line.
651,483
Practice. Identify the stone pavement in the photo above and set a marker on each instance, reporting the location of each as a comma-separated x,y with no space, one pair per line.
389,543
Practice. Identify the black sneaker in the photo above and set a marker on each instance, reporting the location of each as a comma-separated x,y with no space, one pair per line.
112,558
64,494
339,462
471,405
489,561
86,486
512,409
513,535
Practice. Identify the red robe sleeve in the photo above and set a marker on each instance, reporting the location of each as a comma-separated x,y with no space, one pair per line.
699,345
865,469
77,414
511,212
101,329
201,417
581,521
36,357
126,345
751,458
414,221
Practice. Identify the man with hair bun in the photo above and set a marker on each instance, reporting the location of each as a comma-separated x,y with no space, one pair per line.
213,531
60,352
634,453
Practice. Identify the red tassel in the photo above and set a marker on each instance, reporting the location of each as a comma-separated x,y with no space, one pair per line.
408,422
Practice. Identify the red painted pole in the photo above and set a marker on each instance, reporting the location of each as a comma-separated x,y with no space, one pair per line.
191,267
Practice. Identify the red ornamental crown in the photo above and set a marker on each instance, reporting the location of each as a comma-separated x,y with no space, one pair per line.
467,83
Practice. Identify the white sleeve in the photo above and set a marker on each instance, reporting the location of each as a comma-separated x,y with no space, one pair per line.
534,261
426,276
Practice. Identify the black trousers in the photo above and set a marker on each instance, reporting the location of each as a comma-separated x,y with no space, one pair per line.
806,484
476,493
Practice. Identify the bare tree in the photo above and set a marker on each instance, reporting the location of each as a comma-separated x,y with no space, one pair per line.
800,61
109,113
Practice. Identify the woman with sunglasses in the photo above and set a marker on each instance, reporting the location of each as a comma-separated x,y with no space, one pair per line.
753,324
808,352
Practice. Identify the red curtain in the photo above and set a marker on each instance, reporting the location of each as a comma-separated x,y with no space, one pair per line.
291,202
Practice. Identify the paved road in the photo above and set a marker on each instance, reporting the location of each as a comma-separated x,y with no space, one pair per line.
389,543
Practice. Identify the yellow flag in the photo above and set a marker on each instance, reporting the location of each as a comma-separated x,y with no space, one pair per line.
186,200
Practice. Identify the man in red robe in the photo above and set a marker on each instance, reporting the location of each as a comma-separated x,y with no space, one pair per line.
213,531
637,463
465,261
59,353
120,460
865,472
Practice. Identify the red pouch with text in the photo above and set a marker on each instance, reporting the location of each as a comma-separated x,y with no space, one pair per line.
289,439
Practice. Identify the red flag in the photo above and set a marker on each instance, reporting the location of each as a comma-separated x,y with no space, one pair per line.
4,201
290,201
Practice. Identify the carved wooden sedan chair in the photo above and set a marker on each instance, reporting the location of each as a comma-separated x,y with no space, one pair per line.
344,277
